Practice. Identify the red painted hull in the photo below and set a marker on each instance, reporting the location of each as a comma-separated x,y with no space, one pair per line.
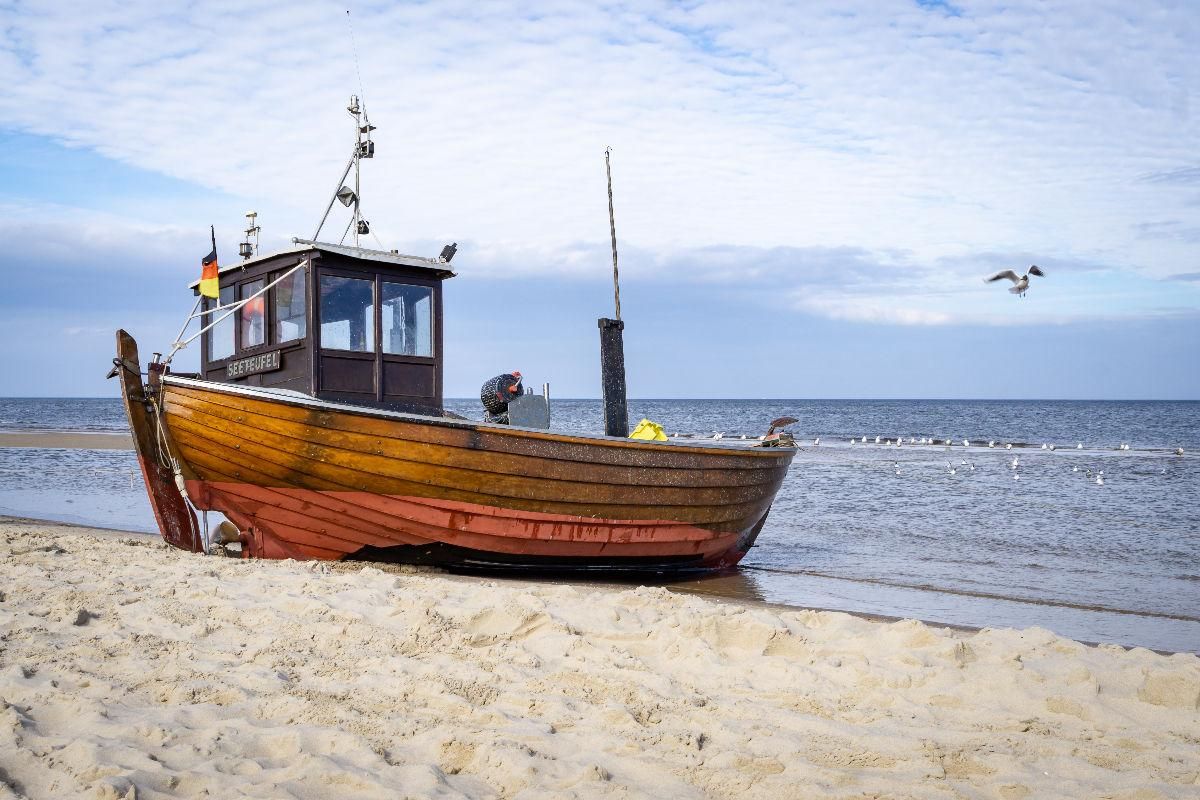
287,522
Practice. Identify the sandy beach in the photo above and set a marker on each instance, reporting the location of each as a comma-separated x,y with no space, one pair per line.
128,669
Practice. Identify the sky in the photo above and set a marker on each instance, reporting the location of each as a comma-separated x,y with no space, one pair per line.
808,196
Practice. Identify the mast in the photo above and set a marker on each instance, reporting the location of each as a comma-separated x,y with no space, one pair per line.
612,340
351,198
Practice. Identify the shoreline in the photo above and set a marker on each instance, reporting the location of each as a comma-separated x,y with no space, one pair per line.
529,583
691,587
67,440
131,666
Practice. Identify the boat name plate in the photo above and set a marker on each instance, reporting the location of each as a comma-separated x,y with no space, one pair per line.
263,362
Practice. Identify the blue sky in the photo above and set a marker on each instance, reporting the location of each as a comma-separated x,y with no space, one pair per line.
807,198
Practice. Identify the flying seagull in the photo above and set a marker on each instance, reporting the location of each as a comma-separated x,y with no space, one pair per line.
780,423
1020,282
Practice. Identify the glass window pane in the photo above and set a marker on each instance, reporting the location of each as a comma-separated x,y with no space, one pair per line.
290,307
254,318
220,336
347,314
407,319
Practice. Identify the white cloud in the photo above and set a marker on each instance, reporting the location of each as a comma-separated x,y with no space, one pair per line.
752,141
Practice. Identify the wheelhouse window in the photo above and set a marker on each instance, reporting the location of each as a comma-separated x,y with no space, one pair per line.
347,314
254,317
220,336
407,319
290,307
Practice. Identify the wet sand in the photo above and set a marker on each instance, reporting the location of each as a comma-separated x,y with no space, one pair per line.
75,440
131,669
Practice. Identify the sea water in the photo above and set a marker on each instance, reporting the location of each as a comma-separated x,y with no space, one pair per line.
864,527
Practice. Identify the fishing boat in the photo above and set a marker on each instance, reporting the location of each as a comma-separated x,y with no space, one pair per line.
316,427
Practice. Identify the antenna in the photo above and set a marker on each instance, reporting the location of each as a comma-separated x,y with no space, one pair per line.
248,249
364,147
357,71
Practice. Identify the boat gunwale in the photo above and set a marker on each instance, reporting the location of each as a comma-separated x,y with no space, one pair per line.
188,405
735,447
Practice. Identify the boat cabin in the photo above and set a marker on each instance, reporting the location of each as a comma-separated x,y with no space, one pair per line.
355,325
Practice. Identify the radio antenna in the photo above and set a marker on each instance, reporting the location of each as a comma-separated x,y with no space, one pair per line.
357,71
363,148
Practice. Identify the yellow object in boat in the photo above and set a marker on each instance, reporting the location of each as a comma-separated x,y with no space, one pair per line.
648,430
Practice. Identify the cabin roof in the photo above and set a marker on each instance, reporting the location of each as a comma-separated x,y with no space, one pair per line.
435,266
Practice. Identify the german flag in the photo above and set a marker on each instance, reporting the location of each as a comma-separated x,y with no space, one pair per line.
209,270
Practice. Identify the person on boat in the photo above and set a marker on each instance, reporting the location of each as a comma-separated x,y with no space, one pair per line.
496,393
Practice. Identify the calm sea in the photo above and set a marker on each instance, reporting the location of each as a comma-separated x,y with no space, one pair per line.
870,528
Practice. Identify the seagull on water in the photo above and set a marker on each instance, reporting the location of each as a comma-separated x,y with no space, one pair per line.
1100,480
1020,282
966,442
992,443
950,467
817,441
1008,446
1079,446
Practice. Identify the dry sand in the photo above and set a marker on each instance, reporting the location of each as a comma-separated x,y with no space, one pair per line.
128,669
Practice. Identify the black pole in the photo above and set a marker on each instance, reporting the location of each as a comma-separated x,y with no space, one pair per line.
612,377
612,344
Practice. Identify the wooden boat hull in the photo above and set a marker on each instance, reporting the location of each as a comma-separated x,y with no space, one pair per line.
310,479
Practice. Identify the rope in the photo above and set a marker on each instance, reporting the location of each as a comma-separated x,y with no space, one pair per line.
180,344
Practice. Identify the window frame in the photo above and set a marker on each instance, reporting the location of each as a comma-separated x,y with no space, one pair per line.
377,280
272,307
207,319
416,359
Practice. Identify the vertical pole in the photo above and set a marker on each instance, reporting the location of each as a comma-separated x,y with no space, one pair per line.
612,345
612,377
612,232
357,159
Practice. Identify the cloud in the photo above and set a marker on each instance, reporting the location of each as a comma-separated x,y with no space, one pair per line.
934,130
1171,230
1184,176
832,157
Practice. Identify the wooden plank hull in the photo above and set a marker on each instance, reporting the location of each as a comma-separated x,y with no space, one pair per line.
310,479
176,521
